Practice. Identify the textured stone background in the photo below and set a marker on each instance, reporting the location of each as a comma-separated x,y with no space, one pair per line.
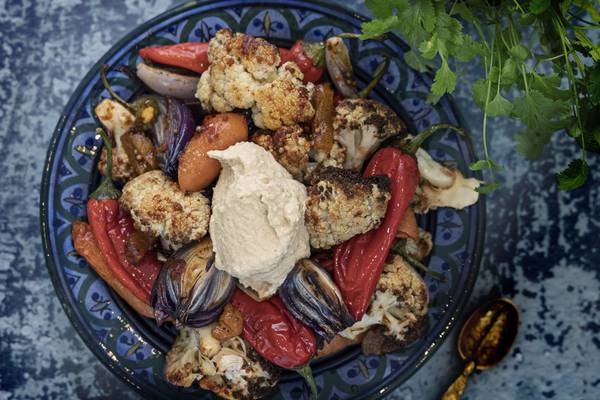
542,246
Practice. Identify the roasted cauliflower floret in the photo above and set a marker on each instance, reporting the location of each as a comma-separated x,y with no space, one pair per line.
360,126
285,101
231,369
239,64
419,249
399,305
117,120
289,147
342,204
441,186
244,72
158,207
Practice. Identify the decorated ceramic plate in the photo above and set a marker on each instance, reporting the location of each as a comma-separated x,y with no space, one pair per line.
133,347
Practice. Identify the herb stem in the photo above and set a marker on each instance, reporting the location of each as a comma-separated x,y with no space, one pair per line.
563,34
519,7
485,108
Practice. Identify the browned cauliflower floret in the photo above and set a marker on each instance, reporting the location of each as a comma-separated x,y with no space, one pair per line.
441,186
360,126
289,147
342,204
398,311
244,72
158,207
239,64
231,369
285,101
117,120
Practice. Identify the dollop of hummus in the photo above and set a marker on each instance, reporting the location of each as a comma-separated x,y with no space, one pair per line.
257,223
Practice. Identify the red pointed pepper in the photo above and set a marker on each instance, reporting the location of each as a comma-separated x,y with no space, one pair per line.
358,263
190,55
277,336
111,228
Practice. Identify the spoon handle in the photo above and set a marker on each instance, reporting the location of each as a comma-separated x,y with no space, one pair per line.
456,389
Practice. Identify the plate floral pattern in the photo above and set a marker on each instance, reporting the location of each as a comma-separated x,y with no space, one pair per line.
133,347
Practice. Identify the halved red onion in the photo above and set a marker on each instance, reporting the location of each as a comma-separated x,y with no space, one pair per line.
312,297
168,83
171,130
190,289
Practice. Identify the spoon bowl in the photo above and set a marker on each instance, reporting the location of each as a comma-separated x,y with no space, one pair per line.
480,322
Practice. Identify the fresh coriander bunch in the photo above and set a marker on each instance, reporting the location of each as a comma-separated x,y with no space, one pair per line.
540,49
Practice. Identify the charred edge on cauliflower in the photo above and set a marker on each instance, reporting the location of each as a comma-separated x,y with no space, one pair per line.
263,386
256,388
342,204
372,113
352,183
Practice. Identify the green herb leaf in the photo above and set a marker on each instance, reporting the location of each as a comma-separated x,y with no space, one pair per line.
488,188
510,72
550,85
378,27
430,48
479,90
468,50
384,8
499,106
519,53
415,61
422,13
443,82
574,176
539,6
464,11
538,111
530,142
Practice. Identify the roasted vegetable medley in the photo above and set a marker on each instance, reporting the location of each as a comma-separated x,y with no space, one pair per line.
281,228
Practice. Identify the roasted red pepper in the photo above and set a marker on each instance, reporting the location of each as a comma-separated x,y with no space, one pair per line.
190,55
358,263
273,332
308,56
111,228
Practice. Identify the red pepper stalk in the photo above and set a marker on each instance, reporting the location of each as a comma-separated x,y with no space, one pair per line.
110,229
358,263
276,335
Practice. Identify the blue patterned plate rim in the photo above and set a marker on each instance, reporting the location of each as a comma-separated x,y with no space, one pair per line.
58,278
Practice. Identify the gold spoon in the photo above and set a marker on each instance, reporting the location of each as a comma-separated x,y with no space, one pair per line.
484,340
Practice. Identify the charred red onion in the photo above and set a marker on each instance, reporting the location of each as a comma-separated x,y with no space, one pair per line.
171,130
190,289
311,296
168,83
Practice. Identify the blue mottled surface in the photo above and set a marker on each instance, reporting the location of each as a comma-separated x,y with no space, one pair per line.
542,246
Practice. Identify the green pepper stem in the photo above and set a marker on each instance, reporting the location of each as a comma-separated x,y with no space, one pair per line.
399,249
377,75
306,372
106,190
413,145
109,89
316,52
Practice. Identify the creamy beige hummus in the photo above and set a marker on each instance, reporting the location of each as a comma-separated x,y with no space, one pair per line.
257,223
